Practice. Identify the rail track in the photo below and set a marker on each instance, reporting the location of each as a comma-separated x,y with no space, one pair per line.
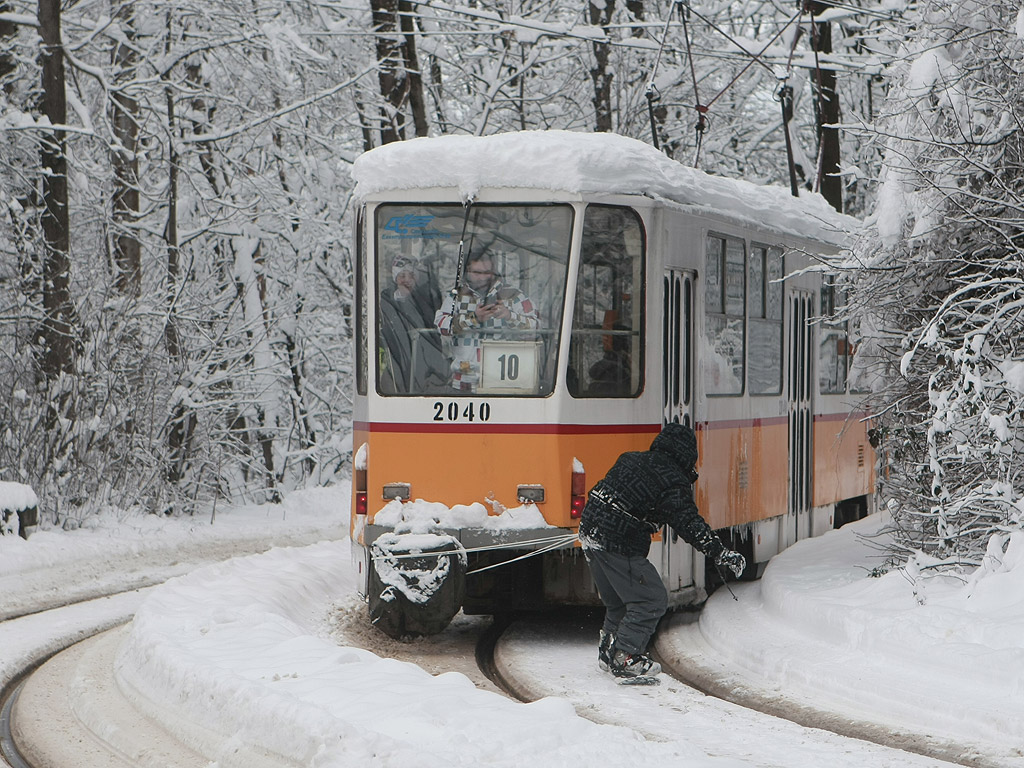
478,647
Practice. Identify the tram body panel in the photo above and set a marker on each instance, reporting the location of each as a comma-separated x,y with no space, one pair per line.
844,464
461,466
743,471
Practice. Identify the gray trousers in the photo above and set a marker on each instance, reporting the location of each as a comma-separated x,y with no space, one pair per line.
633,594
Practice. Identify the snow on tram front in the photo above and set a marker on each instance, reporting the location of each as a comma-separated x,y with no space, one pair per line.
527,313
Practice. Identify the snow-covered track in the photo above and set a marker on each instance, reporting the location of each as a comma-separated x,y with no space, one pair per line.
528,659
557,657
9,753
688,659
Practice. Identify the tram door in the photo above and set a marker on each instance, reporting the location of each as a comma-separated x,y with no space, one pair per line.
676,557
798,393
677,375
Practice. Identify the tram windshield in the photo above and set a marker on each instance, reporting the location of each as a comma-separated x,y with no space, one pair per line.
489,325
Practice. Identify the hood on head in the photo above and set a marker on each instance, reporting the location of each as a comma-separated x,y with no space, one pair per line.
402,264
679,442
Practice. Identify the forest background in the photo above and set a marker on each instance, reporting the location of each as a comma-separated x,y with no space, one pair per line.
175,261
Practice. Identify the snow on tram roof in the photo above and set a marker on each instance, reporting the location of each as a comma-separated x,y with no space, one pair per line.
587,163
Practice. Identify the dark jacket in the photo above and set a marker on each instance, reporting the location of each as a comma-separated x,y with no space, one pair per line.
645,490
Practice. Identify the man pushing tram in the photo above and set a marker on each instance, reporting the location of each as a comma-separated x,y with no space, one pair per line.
643,491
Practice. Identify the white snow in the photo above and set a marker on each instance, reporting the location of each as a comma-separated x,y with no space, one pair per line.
582,163
16,496
418,585
424,516
246,647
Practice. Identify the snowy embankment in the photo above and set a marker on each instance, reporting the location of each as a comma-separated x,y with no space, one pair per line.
241,648
246,649
117,550
943,655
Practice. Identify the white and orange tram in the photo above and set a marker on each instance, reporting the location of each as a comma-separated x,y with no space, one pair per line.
655,292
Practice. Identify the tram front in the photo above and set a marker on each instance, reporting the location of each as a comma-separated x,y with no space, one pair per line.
469,423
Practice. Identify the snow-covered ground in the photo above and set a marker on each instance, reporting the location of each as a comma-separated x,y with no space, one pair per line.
251,647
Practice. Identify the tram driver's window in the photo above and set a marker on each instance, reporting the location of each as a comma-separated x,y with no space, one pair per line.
606,349
724,305
436,265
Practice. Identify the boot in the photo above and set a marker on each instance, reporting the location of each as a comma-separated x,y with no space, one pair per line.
633,665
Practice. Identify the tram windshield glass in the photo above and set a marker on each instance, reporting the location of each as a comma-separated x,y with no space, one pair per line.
488,326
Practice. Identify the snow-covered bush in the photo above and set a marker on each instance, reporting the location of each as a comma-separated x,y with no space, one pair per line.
942,270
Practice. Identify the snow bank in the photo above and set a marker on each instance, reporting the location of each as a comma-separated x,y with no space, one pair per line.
586,163
238,647
17,496
950,651
117,534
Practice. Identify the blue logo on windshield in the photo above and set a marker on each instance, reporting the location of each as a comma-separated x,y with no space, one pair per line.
412,225
402,224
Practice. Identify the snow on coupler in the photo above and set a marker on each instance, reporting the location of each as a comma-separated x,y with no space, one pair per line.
414,590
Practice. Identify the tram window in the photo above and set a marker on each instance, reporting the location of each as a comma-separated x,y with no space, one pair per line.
764,309
723,347
430,338
834,347
607,345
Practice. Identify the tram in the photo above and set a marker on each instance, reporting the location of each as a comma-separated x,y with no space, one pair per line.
641,292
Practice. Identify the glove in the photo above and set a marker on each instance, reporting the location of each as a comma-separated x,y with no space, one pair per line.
734,561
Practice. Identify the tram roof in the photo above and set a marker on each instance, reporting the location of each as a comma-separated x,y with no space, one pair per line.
591,163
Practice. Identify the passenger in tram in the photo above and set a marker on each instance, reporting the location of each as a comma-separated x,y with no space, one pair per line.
411,356
611,376
641,492
483,308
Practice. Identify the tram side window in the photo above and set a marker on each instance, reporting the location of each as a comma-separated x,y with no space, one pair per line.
764,308
724,305
834,346
607,345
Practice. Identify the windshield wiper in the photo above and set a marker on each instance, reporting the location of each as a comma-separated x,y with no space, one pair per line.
462,248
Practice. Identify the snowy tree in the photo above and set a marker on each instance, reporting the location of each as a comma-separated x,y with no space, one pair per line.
204,149
940,281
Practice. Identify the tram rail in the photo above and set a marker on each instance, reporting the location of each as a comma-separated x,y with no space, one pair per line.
478,646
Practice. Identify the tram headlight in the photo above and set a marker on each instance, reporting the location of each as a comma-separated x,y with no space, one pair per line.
401,491
534,494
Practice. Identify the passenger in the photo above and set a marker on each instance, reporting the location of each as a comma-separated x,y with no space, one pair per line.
412,360
610,376
483,308
641,492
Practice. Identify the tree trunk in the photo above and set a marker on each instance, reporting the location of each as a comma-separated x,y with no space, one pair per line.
124,116
601,16
827,108
636,8
171,337
182,420
58,322
412,69
436,86
364,124
7,32
393,83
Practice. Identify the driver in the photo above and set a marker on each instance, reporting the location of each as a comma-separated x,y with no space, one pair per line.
483,306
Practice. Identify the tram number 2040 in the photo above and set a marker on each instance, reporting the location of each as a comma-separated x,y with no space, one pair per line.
455,411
